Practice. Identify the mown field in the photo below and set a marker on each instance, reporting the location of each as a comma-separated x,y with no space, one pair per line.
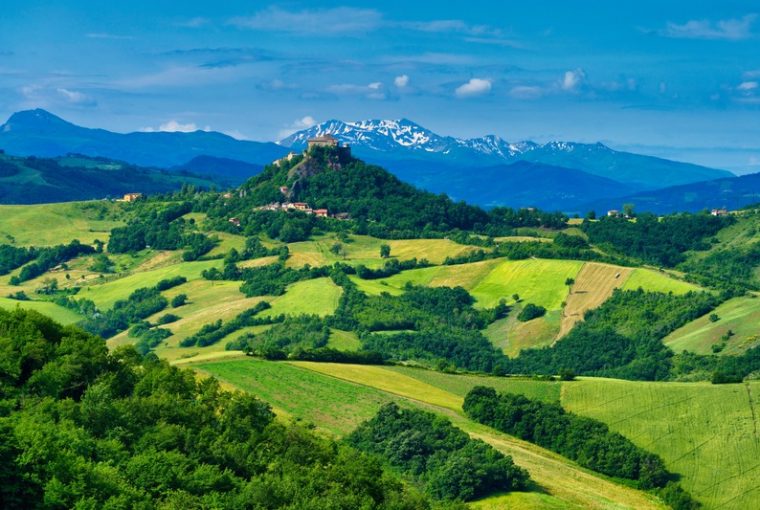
338,397
366,250
51,224
55,312
705,433
740,316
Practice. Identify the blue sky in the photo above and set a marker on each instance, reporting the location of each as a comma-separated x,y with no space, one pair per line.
678,79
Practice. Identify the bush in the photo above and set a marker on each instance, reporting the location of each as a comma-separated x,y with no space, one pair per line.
530,312
179,300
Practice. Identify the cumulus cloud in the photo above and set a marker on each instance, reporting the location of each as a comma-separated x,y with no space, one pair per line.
474,87
747,86
174,126
304,122
401,81
337,20
728,29
572,80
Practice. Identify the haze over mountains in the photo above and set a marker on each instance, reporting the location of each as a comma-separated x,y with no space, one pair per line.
488,170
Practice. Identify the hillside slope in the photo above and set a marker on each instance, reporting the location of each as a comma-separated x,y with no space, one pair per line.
34,180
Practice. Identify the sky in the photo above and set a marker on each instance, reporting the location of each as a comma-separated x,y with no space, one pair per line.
678,79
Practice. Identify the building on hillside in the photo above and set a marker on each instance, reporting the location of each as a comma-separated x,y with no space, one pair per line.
235,221
322,213
613,213
131,197
284,190
300,206
227,195
719,212
327,140
342,216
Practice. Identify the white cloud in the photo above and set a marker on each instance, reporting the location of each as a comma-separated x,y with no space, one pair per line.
474,87
376,85
338,20
526,92
106,35
372,90
747,86
174,126
75,97
401,81
304,122
572,80
728,29
196,22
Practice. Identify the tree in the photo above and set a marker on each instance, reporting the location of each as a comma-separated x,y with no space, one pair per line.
628,210
179,300
591,215
385,251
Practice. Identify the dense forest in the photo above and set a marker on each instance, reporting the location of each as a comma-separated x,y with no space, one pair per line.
84,428
444,459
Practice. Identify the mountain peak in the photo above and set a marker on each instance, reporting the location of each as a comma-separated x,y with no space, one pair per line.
37,119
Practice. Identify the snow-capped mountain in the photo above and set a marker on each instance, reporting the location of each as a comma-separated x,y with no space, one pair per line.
389,141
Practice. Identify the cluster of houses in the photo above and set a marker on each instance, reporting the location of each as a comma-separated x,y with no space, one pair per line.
293,206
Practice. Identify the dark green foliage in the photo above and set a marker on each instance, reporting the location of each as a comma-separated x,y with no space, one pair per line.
622,338
569,241
141,304
19,296
101,264
48,258
391,267
212,333
82,428
12,257
733,369
437,325
530,312
584,440
303,332
676,498
726,268
148,337
159,229
167,319
196,245
328,355
170,283
654,240
272,280
428,448
385,251
179,300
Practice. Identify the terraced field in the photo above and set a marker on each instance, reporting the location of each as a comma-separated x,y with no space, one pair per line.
740,315
338,397
51,224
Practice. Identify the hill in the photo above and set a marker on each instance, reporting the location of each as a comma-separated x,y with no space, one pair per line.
231,170
387,141
40,133
31,180
728,193
518,184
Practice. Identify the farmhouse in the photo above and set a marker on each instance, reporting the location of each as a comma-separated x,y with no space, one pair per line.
300,206
719,212
131,197
235,221
322,213
613,213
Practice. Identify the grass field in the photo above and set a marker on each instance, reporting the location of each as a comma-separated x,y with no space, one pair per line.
344,340
655,281
593,285
706,433
310,297
512,336
51,224
55,312
366,250
537,281
338,397
105,295
740,315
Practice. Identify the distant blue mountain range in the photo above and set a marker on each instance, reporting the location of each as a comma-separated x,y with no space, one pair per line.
488,171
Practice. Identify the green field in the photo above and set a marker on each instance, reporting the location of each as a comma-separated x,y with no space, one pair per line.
51,224
512,336
740,315
55,312
338,397
366,250
106,294
310,297
655,281
344,340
